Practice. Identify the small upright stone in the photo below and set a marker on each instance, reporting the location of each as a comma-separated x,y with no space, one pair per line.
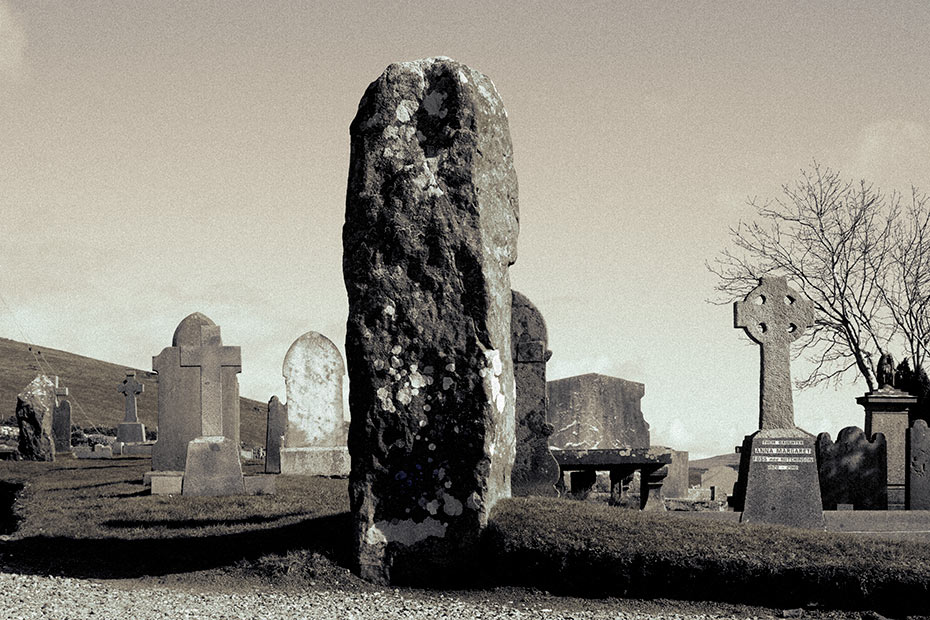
35,407
316,434
778,479
131,430
274,435
535,470
430,233
61,419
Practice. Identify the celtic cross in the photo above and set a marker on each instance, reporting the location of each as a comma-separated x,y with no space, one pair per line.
774,316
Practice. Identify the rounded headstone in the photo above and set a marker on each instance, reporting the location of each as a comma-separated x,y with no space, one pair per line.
187,333
313,372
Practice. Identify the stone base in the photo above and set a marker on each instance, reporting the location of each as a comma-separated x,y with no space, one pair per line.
99,452
315,461
259,484
147,476
781,482
131,432
213,467
166,482
133,449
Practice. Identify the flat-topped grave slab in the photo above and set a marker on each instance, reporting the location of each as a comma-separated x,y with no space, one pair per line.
652,463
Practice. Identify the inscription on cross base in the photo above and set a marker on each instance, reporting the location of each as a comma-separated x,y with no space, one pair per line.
774,316
211,357
130,388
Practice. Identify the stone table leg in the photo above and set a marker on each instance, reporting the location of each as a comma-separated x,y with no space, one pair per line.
650,494
620,478
583,483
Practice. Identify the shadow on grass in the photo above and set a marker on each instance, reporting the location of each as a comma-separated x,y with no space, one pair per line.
113,558
186,523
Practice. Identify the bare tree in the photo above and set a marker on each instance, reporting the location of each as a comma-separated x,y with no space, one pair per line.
905,284
836,241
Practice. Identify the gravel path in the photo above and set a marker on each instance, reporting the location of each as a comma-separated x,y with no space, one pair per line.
25,597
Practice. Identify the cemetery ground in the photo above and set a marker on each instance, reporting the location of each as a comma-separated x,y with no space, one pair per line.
94,520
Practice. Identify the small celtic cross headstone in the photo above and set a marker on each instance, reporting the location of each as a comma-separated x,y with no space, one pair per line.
131,388
774,316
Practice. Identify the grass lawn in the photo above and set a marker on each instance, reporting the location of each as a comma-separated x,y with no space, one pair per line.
87,518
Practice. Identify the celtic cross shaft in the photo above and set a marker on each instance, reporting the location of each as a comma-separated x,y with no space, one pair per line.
774,316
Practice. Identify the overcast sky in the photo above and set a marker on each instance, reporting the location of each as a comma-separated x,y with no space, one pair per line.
160,158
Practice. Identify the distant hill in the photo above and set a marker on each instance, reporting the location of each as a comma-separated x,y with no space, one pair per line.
698,467
93,384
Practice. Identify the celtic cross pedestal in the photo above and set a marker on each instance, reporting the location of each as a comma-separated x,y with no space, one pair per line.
778,479
774,316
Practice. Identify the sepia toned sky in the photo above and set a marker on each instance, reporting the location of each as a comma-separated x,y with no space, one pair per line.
161,158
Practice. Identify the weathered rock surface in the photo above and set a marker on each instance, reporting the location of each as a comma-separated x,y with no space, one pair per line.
597,411
535,470
35,407
853,470
431,229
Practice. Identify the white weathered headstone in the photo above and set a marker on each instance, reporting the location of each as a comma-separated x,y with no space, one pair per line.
316,435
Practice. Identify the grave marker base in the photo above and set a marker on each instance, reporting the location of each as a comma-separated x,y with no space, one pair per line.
315,461
782,487
213,468
130,432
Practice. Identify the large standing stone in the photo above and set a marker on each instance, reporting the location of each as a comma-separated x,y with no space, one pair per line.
778,480
430,232
596,411
179,398
535,470
853,470
316,434
918,467
131,430
35,407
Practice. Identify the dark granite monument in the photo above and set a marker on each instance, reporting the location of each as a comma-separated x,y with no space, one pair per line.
595,411
61,419
535,470
430,234
778,480
853,471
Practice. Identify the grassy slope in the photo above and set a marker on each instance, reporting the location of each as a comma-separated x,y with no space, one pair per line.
94,519
93,384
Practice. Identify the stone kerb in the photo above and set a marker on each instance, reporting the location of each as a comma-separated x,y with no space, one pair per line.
315,437
853,470
430,233
535,470
778,479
